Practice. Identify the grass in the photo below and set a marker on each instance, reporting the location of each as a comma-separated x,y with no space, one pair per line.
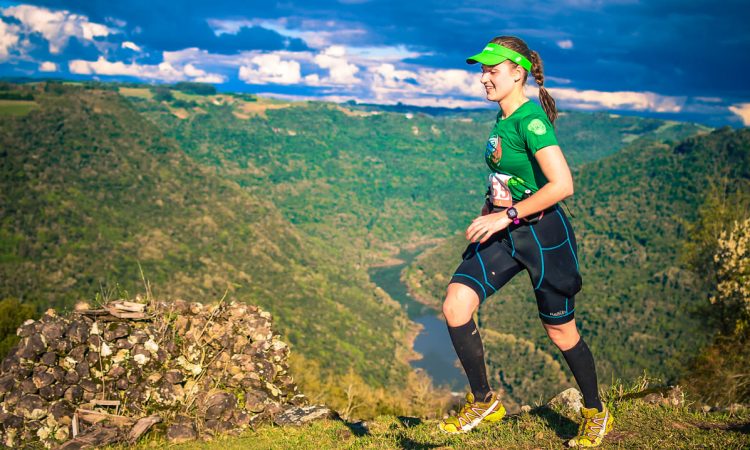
637,425
137,92
16,107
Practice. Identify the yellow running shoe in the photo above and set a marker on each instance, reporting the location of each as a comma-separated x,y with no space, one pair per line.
473,413
594,426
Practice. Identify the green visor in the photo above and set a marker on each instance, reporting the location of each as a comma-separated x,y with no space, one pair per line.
495,54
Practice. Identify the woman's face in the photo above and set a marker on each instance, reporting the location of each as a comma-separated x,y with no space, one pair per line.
498,80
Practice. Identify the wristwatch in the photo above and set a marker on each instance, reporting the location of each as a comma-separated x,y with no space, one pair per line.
513,215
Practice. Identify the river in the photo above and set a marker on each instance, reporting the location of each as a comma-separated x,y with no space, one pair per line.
433,342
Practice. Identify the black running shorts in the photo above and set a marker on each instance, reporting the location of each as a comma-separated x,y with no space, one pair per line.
545,248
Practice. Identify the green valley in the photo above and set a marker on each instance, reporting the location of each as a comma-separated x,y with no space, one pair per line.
287,204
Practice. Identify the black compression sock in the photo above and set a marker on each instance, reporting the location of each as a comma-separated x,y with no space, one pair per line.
581,363
470,351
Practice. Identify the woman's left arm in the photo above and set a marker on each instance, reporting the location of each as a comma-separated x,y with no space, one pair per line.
559,187
559,182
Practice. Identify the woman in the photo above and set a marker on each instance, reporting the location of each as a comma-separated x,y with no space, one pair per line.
521,227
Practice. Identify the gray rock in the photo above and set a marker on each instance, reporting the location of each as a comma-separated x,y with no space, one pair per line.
77,353
90,386
58,373
116,372
28,386
181,432
74,394
83,369
49,358
52,331
174,376
42,379
7,382
220,406
569,400
31,407
62,411
28,328
72,377
255,401
116,330
300,415
78,331
31,347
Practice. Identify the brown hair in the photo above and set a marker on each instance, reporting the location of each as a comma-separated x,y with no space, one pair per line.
537,70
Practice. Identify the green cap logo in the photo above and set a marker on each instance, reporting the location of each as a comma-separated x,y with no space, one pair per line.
537,127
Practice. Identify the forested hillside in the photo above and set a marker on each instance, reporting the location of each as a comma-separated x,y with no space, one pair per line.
287,204
90,189
365,181
640,307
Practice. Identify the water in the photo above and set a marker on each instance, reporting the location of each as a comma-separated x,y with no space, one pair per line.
433,342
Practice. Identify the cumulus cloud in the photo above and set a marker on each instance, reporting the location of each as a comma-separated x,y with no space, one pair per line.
270,68
340,71
48,66
57,27
388,82
565,44
131,46
742,110
164,71
8,39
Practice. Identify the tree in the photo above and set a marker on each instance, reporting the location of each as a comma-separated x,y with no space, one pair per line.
12,314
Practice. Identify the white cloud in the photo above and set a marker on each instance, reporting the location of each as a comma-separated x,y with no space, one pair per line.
565,44
57,27
388,82
8,39
340,71
625,100
131,46
164,71
48,66
453,80
270,68
742,110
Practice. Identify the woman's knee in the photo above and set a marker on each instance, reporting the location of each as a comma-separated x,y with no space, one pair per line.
459,305
565,336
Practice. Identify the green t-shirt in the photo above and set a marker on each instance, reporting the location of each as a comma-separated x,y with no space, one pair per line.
519,136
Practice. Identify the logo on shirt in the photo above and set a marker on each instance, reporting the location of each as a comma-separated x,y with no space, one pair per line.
537,127
494,148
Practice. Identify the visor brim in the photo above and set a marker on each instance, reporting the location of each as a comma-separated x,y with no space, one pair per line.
486,58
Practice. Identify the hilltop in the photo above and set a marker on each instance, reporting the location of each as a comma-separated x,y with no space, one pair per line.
286,204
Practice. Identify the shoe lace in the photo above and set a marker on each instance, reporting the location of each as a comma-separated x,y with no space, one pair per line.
591,427
468,412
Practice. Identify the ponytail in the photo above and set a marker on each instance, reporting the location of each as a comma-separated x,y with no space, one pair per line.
537,70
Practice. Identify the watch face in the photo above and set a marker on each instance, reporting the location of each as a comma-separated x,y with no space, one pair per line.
512,213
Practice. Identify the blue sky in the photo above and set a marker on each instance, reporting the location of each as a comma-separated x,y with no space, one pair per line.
684,60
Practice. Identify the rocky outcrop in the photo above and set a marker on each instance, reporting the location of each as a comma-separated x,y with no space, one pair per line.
199,369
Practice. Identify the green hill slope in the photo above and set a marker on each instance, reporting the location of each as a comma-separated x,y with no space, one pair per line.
365,180
90,188
639,308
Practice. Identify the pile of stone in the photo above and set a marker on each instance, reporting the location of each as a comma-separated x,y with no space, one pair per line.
105,375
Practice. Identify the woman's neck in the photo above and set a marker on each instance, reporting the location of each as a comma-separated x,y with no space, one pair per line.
512,102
